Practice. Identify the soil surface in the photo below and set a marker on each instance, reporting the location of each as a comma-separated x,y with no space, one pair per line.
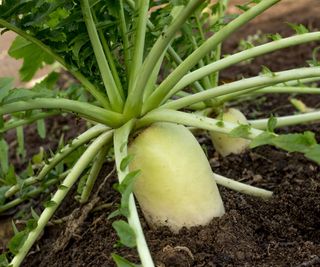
282,231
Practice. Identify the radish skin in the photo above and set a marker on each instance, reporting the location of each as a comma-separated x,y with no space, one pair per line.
226,145
176,187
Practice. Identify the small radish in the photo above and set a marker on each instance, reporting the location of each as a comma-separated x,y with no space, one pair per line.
223,143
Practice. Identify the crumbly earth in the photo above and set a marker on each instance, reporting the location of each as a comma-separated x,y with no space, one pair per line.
282,231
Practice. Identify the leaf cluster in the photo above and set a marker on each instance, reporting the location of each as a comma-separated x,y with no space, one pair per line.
60,26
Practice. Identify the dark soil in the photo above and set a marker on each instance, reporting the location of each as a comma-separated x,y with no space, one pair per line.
282,231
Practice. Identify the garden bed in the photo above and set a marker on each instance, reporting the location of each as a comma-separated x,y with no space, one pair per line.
282,231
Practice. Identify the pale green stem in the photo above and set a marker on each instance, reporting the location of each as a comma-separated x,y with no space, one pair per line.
193,120
217,53
178,61
113,92
171,51
197,106
220,100
58,197
288,89
244,84
134,102
302,81
139,40
121,136
165,87
242,56
125,39
65,151
30,119
203,38
84,81
313,116
83,109
205,80
202,105
113,68
263,90
32,193
206,83
241,187
94,172
151,84
267,90
20,140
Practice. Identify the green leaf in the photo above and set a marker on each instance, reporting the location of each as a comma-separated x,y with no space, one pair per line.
23,95
247,6
1,122
3,190
34,214
38,158
125,233
314,153
128,181
125,162
123,146
45,88
62,187
267,72
50,204
48,82
114,214
125,189
61,143
6,84
33,57
272,123
32,224
10,177
122,262
17,241
295,142
30,171
264,138
3,260
275,37
244,45
298,28
57,16
41,128
242,131
314,62
243,7
14,227
220,123
4,149
304,143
